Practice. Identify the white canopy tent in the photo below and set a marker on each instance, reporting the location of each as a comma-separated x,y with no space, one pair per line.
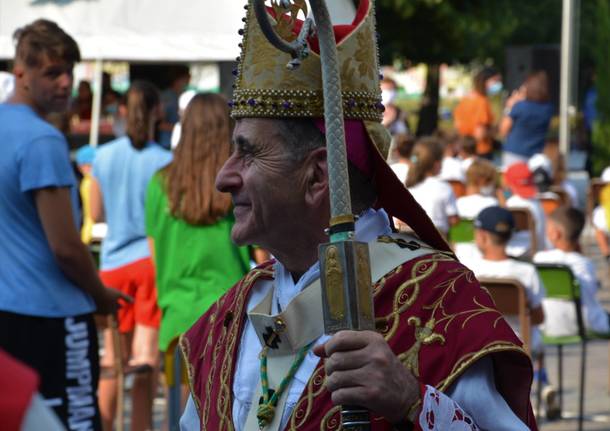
141,30
134,30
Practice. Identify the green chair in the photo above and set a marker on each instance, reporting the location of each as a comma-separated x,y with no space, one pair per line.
560,283
463,231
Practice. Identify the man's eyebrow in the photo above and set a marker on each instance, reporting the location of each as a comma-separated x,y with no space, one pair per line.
243,145
53,68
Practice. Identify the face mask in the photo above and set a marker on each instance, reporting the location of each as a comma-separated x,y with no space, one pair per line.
494,88
388,96
487,190
112,109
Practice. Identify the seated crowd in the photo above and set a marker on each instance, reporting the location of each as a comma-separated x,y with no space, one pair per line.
492,200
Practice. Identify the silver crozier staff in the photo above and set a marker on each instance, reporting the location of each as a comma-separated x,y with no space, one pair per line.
344,263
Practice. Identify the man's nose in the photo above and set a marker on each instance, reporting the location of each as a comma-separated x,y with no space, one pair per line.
229,177
65,80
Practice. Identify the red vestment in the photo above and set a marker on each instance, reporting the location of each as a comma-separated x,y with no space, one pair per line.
18,384
432,312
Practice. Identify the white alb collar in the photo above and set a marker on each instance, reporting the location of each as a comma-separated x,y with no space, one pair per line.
371,224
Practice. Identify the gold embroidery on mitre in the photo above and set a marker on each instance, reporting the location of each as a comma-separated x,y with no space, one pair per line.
424,335
380,136
285,27
264,87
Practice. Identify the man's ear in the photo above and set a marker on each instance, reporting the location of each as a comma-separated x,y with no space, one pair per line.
20,75
18,70
316,177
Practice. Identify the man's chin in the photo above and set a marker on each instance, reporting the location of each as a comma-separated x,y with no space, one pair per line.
58,107
240,238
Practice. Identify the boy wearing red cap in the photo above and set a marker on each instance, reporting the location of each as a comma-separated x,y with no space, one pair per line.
520,181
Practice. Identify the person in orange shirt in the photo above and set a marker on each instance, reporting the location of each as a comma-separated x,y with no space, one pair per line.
473,115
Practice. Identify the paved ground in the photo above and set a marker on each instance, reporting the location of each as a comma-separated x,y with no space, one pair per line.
597,399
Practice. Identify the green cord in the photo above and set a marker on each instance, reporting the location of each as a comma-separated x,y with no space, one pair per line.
266,410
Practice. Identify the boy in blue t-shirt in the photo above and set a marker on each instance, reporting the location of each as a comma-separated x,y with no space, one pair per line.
49,287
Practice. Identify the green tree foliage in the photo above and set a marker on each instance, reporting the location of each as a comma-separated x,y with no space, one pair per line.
460,31
601,128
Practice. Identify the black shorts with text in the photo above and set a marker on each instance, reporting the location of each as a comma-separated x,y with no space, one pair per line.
64,352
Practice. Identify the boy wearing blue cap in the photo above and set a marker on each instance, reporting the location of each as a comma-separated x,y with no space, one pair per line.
493,229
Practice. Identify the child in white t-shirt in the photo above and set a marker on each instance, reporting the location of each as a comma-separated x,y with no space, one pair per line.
493,229
520,180
480,189
433,194
564,227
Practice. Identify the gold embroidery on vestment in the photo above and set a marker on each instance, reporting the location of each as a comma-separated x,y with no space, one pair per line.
467,360
185,347
423,336
329,421
300,415
225,397
407,292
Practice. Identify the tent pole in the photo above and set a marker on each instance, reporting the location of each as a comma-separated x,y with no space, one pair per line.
97,103
567,51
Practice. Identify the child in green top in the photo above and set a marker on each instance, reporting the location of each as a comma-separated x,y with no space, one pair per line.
188,222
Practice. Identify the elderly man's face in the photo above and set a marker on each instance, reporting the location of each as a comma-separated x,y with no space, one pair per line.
267,189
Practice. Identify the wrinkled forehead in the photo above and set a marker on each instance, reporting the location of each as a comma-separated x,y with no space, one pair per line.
259,132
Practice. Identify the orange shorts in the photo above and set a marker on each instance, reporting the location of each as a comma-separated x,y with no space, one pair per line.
136,279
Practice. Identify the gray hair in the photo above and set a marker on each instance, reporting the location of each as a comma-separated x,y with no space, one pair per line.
300,137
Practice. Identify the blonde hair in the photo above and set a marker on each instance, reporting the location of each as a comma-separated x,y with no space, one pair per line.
481,169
